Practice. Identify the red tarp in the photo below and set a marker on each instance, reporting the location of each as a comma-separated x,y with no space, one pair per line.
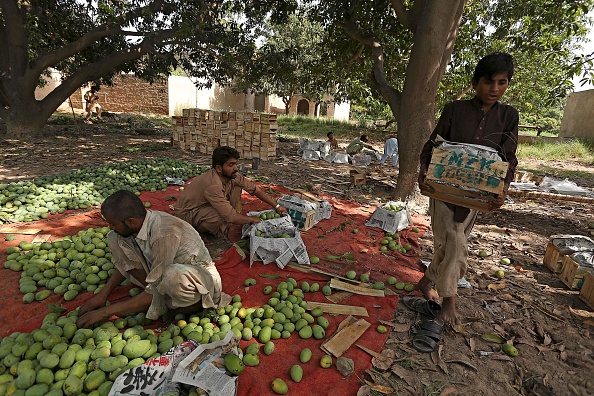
330,237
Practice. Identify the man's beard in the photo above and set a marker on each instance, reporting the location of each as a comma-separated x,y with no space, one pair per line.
126,232
231,175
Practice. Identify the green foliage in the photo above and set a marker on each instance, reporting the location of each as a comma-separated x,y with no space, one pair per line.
93,41
290,62
293,127
568,150
60,119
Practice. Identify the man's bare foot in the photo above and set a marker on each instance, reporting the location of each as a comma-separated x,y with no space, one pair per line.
448,311
426,286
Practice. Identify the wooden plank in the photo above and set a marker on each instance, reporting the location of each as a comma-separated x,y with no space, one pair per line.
336,284
310,269
467,202
15,230
339,296
41,238
342,340
452,190
587,291
338,309
471,162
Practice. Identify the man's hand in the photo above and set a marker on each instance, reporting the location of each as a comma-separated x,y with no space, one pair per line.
281,210
92,304
255,219
421,179
90,318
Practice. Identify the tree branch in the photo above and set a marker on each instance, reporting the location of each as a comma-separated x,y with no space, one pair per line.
108,29
351,29
380,82
464,92
102,67
404,16
447,53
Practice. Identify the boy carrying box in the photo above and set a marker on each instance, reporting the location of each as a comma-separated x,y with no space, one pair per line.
484,121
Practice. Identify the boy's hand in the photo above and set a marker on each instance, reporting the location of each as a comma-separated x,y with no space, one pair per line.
421,179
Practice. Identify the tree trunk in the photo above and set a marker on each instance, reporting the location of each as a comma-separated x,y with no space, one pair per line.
434,39
24,124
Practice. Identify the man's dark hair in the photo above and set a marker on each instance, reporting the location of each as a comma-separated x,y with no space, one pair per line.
95,88
364,138
220,155
491,64
329,133
122,205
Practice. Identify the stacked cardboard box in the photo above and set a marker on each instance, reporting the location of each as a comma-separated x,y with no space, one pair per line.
252,134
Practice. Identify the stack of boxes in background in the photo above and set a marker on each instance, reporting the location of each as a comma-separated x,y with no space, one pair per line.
252,134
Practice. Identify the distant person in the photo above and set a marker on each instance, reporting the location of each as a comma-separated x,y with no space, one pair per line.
160,253
212,202
390,150
92,103
332,140
357,145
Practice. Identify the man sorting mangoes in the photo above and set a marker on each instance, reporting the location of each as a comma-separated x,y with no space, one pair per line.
160,253
212,202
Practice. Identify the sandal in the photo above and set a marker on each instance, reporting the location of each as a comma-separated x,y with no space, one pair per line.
423,306
428,335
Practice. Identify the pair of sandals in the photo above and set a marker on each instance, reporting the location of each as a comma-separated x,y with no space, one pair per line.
429,332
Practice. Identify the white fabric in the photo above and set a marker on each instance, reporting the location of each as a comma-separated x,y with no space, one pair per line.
390,150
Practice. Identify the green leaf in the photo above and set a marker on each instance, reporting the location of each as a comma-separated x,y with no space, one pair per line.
496,338
335,258
56,309
349,256
270,276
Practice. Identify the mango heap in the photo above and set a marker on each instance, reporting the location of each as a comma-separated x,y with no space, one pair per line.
85,187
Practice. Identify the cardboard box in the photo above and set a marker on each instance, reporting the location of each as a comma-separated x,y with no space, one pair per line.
587,290
357,177
553,259
305,209
302,219
463,179
573,272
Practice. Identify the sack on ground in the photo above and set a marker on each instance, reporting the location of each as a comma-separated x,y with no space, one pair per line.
391,217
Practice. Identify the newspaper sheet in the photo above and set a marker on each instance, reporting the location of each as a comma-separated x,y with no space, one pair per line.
475,149
154,377
204,367
270,247
568,244
389,220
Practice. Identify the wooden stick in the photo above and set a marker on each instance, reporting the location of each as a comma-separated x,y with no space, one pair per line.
544,195
369,351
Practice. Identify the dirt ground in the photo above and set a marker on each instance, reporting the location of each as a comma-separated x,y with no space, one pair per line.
550,326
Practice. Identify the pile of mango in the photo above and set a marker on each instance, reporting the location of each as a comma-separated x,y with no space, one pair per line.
61,359
68,266
81,188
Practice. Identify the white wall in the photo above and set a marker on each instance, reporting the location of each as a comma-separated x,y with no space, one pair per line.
578,115
183,94
51,83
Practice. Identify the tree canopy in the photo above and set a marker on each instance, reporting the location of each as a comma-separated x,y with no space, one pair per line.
289,62
95,39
